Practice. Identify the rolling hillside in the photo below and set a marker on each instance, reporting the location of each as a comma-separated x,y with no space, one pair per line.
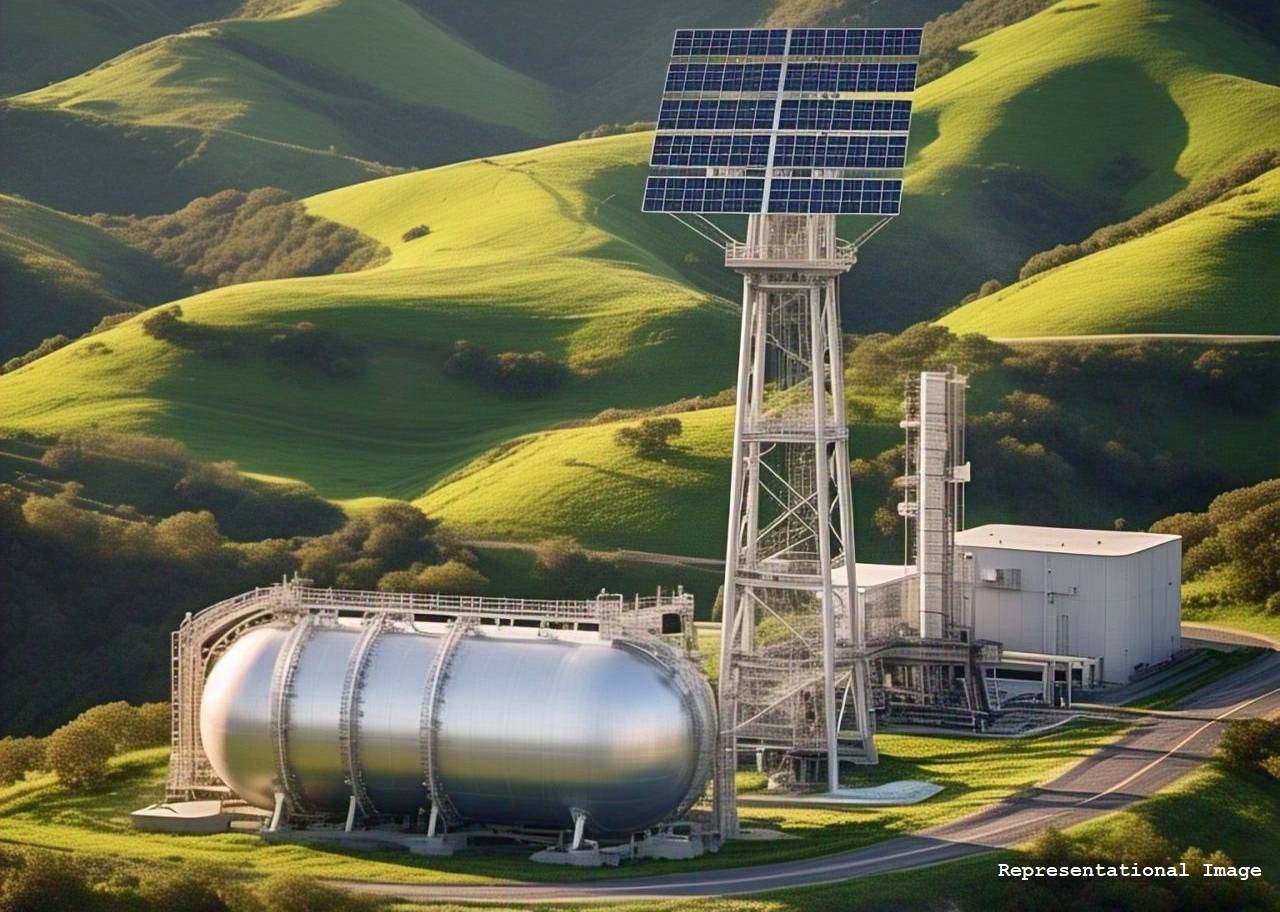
182,100
42,41
1213,271
1086,111
1076,117
59,273
516,260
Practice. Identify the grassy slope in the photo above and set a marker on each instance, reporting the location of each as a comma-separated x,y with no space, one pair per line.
61,274
514,262
208,79
1021,148
1213,271
974,772
46,40
306,101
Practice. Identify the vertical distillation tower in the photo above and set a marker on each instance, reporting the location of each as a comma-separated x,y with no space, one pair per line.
933,501
785,624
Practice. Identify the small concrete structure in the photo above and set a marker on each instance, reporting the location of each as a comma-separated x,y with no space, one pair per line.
182,817
891,794
1110,596
193,817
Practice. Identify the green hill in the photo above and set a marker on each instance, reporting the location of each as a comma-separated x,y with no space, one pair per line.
1079,116
1213,271
516,260
1090,110
62,274
314,94
46,40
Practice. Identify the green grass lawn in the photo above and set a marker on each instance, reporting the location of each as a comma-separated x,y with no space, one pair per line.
973,772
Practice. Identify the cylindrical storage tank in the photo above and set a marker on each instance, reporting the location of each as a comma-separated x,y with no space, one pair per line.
523,731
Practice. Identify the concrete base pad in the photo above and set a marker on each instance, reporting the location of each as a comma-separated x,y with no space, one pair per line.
374,840
195,817
891,794
589,856
671,847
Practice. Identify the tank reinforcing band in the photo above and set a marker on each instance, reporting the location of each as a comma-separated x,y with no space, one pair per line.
349,714
430,722
281,691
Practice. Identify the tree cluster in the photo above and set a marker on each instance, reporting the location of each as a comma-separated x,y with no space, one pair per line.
234,236
881,362
38,880
1134,841
1238,539
53,343
562,565
1249,745
1063,429
651,438
520,375
159,477
78,751
303,345
90,574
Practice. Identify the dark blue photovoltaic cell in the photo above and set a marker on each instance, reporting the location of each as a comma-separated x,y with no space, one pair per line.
831,114
703,194
807,151
855,43
723,77
714,114
807,195
850,77
729,42
699,151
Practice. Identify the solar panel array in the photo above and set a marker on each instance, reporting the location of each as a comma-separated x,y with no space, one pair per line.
784,120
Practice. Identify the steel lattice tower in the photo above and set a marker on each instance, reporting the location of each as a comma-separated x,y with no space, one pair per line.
790,510
790,127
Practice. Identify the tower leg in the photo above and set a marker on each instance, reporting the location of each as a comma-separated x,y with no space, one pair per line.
818,350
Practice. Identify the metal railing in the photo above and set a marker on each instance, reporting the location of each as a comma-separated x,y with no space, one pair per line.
843,253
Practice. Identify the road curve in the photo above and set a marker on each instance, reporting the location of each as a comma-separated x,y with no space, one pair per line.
1157,752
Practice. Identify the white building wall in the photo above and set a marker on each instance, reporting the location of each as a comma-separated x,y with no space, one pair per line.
1123,609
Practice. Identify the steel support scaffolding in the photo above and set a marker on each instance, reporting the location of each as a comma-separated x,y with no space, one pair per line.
790,514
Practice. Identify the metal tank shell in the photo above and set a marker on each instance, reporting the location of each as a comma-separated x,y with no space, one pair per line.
522,731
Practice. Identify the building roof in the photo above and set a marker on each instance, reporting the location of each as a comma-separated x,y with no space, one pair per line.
872,575
1100,542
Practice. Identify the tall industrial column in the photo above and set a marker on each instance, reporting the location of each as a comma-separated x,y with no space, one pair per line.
791,673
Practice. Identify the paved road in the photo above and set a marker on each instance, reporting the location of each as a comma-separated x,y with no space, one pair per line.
1156,753
1139,337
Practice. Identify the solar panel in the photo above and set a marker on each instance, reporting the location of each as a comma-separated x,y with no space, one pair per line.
784,120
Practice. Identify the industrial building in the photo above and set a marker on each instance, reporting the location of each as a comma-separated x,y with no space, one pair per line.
1113,598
